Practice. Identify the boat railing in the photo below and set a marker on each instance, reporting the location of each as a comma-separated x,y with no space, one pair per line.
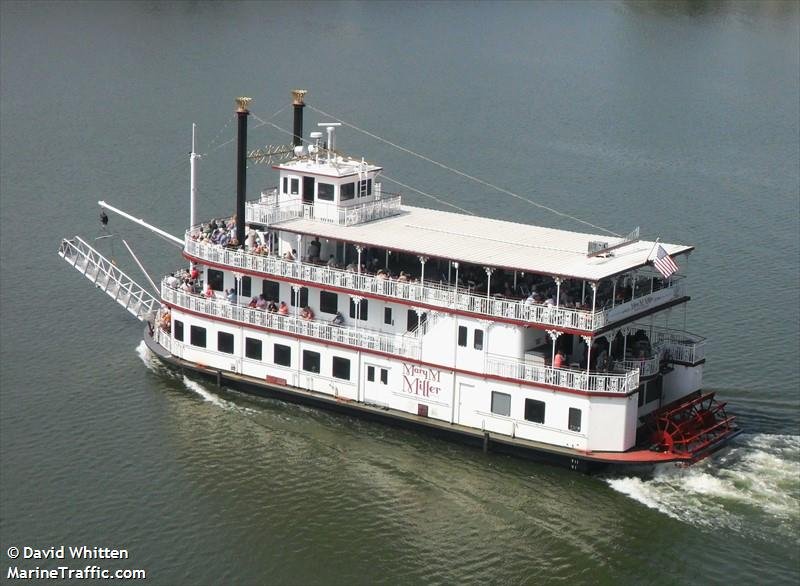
429,293
270,210
580,380
678,345
358,337
647,367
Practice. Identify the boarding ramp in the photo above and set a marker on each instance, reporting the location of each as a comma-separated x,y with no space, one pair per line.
106,276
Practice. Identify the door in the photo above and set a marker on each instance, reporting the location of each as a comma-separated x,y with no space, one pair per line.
308,190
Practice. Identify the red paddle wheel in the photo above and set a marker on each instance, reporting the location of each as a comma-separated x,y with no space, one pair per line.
691,428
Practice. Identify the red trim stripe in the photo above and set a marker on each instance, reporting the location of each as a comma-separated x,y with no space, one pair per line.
447,310
403,359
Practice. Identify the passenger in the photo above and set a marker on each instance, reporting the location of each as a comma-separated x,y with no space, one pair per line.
231,295
351,268
172,281
307,313
209,291
253,303
338,319
332,262
272,307
559,360
186,286
194,274
381,275
314,249
290,256
283,309
403,278
166,320
261,303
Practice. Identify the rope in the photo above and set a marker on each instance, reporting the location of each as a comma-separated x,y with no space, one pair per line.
263,123
463,174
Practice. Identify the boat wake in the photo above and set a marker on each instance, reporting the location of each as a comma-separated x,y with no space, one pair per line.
154,365
759,475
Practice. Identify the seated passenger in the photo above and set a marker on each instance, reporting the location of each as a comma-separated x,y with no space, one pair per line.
231,296
261,303
403,278
289,255
307,313
332,262
560,360
253,303
209,292
283,309
272,307
338,319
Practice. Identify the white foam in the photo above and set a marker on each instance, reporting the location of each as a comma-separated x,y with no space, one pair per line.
760,474
149,359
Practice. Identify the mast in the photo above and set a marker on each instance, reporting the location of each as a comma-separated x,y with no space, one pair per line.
298,104
241,165
193,182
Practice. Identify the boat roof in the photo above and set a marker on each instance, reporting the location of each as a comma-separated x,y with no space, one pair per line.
489,242
338,167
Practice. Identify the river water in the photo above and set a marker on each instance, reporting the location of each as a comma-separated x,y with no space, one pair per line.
680,117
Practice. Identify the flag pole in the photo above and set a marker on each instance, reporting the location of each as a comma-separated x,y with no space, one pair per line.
649,254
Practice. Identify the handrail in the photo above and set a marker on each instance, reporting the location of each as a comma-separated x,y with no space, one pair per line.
678,345
358,337
399,345
565,377
269,210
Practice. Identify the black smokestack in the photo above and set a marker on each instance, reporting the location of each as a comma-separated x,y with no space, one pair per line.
299,103
241,165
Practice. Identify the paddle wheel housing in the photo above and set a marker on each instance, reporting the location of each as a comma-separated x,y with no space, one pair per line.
691,428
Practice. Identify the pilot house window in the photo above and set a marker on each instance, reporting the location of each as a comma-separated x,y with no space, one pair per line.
347,191
325,191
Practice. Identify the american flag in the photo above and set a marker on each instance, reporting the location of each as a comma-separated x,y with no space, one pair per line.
664,263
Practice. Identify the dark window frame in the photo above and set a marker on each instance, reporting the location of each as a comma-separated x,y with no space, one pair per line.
281,354
328,302
340,368
370,374
535,410
312,360
303,297
326,194
195,333
295,185
572,425
463,336
476,342
177,330
364,312
384,376
225,340
271,290
214,278
253,348
347,191
387,316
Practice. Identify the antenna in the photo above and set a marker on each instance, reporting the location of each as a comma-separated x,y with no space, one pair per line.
329,126
316,136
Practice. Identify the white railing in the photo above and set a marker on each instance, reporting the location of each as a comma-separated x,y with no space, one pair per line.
106,276
326,332
565,377
399,345
646,366
268,210
679,346
430,293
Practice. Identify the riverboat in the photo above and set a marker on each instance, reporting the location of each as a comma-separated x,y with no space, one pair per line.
328,290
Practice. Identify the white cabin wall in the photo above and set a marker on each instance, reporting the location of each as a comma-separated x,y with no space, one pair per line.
681,381
612,423
507,340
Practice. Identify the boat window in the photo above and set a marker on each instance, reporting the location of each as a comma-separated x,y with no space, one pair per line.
197,336
295,186
177,330
534,410
216,279
282,355
225,342
384,376
501,403
371,374
478,340
347,191
325,191
271,290
311,361
364,309
641,394
328,302
246,286
462,336
252,348
341,368
574,419
412,320
285,185
303,302
387,315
